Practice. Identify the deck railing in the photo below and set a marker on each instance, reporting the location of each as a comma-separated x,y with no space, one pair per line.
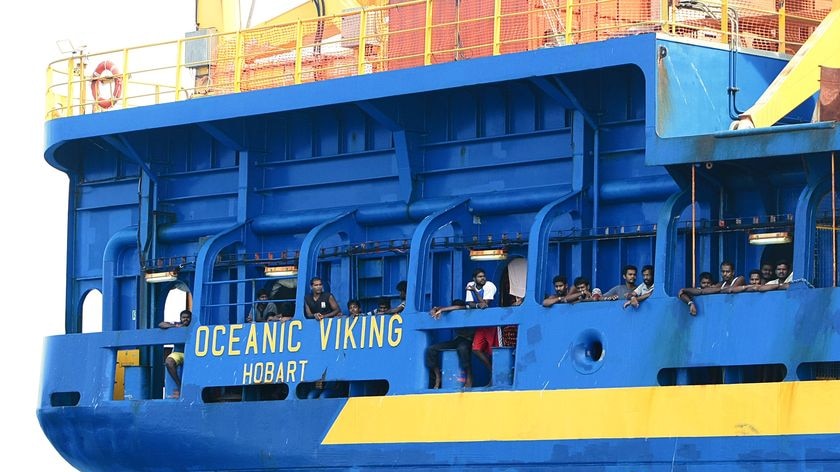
408,34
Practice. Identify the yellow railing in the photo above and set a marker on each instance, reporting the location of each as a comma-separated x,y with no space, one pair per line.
409,34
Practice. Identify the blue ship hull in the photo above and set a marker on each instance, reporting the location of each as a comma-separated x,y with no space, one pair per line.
579,160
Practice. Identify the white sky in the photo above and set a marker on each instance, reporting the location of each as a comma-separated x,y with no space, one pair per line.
34,195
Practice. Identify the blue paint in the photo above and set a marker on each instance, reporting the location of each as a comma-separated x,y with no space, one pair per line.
576,158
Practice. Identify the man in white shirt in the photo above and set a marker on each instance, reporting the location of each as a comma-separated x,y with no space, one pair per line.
480,294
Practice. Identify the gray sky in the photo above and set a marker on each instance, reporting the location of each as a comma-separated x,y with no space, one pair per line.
34,195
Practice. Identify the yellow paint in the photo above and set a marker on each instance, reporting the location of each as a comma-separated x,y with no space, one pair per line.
800,77
292,346
767,409
125,358
233,340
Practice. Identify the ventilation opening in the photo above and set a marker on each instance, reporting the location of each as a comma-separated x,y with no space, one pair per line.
818,371
65,398
245,393
713,375
342,389
589,351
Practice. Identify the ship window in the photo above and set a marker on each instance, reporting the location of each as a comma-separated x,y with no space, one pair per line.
713,375
233,298
818,371
245,393
92,312
65,398
377,276
342,389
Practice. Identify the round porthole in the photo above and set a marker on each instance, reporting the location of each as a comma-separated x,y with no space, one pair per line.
589,351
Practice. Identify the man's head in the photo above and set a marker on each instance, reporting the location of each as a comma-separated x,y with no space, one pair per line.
262,295
402,286
559,284
767,272
755,277
706,280
629,274
782,269
581,284
596,293
384,304
479,277
647,275
354,307
186,317
316,285
727,271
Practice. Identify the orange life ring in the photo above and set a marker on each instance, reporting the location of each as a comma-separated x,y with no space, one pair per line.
106,71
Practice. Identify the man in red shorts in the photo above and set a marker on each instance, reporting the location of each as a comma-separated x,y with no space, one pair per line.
480,294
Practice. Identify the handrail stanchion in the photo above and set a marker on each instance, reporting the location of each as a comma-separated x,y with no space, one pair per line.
427,46
724,21
782,26
71,73
497,27
237,66
569,19
124,101
298,51
360,65
178,65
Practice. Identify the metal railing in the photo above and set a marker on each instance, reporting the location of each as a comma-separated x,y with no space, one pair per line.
409,34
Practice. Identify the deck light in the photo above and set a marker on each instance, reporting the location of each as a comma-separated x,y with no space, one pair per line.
764,239
280,271
160,277
488,255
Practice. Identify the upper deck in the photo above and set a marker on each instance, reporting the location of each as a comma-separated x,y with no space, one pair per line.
405,34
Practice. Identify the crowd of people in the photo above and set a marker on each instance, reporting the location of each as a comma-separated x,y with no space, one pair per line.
480,293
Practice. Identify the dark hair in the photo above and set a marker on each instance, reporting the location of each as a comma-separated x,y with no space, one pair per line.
728,263
384,301
285,308
459,302
479,270
707,276
187,312
313,279
783,261
559,278
628,267
647,267
402,286
756,272
581,280
354,301
261,292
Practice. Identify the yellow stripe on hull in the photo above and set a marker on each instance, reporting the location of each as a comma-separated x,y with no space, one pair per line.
765,409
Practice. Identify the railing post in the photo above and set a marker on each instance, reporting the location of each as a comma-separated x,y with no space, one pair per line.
497,28
427,48
664,15
237,66
71,74
124,101
782,27
50,98
178,65
362,38
298,51
569,19
724,21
